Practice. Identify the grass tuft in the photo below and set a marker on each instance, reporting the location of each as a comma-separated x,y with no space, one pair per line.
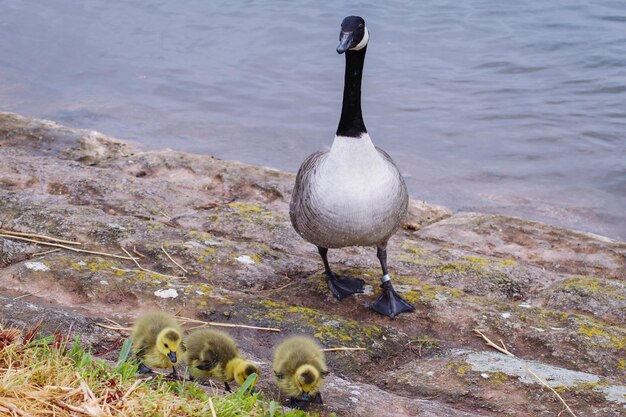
53,376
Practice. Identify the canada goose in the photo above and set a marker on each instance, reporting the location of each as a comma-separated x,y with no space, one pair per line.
214,354
299,367
352,195
157,337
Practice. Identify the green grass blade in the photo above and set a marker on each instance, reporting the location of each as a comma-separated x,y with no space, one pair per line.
126,347
273,408
247,384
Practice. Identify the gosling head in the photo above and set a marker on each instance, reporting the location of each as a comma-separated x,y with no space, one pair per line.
353,35
308,380
244,370
167,343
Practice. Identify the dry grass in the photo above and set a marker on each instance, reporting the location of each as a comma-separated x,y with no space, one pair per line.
56,245
199,324
56,377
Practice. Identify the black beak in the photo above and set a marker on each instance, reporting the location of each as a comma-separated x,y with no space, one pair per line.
305,395
345,42
172,356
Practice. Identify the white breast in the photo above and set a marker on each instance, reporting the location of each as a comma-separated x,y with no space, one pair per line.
354,174
356,194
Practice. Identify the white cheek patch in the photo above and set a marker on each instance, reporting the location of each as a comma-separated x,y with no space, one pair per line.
363,42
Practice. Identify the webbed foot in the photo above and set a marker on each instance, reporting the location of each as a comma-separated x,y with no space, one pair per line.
390,303
143,369
299,404
341,287
317,399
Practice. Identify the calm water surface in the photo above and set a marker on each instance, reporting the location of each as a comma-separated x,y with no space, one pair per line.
515,107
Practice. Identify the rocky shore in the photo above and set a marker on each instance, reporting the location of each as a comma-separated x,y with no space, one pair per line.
555,297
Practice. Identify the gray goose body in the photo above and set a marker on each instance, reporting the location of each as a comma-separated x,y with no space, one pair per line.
352,195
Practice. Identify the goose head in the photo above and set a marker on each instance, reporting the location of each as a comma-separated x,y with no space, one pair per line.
167,343
353,36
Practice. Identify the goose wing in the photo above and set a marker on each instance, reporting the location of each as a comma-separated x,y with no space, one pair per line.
303,183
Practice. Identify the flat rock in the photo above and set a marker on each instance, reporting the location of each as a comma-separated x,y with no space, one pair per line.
553,248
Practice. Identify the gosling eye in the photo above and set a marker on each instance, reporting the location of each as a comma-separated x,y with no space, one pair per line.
166,346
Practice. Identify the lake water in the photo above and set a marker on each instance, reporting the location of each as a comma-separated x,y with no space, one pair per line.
513,107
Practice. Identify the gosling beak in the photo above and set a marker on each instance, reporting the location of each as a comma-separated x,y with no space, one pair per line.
172,356
305,396
345,42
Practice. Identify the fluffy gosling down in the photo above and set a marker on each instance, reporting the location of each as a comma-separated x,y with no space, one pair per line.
211,353
299,367
157,338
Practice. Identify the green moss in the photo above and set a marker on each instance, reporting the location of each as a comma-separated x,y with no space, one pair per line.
246,208
412,253
474,265
199,236
91,264
601,333
459,368
593,287
152,226
240,216
100,264
425,293
593,389
490,262
536,317
365,273
331,330
499,377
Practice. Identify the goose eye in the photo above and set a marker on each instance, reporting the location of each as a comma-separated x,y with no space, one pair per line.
360,25
166,346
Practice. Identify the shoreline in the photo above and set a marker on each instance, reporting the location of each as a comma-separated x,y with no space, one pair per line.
574,217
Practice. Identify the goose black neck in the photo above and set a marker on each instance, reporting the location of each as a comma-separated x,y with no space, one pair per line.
351,122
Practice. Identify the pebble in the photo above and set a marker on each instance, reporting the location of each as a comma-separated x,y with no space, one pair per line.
169,293
245,259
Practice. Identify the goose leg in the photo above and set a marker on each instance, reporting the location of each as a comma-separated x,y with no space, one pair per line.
143,369
341,287
174,373
389,303
227,387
